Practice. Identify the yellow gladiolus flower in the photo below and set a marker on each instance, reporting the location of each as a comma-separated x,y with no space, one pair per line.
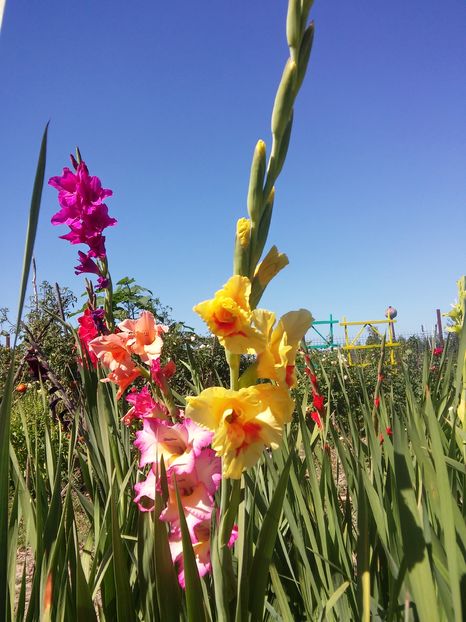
277,361
244,422
228,315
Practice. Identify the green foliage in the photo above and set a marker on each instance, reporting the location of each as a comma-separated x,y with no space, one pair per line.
29,415
364,526
43,321
44,339
129,299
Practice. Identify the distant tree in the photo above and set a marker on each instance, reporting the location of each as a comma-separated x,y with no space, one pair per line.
44,325
373,337
46,349
129,299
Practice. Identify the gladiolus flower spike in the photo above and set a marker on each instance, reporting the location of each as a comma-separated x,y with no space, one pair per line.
82,209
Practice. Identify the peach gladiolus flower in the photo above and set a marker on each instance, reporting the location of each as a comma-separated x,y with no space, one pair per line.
229,316
244,422
123,378
277,361
144,336
112,351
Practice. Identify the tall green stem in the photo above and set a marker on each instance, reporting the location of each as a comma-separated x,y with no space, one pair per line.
233,362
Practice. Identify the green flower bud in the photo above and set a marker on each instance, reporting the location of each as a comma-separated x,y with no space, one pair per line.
256,182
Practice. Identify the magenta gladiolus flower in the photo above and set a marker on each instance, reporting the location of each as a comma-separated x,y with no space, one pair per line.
81,197
143,406
86,265
77,191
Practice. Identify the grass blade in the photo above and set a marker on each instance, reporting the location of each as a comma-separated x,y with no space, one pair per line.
5,407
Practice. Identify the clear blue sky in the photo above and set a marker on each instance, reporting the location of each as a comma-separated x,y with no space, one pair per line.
167,100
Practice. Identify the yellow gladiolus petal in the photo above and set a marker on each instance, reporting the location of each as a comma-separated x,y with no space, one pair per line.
229,316
273,262
277,361
278,400
244,422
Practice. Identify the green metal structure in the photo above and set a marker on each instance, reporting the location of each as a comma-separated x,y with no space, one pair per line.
327,341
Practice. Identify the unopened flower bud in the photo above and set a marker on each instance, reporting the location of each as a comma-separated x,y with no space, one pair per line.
243,231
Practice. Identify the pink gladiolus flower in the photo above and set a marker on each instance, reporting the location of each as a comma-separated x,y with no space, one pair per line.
142,402
143,407
201,548
96,242
197,506
179,444
102,283
207,471
144,336
161,374
145,492
196,469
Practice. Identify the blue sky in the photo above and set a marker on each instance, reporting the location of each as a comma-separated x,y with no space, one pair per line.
167,100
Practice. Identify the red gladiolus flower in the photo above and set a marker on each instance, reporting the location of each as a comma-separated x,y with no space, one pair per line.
318,401
377,401
388,432
316,418
438,351
86,332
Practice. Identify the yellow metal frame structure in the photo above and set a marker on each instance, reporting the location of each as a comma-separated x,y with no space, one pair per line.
351,345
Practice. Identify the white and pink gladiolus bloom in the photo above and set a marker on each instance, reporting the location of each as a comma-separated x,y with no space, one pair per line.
188,459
